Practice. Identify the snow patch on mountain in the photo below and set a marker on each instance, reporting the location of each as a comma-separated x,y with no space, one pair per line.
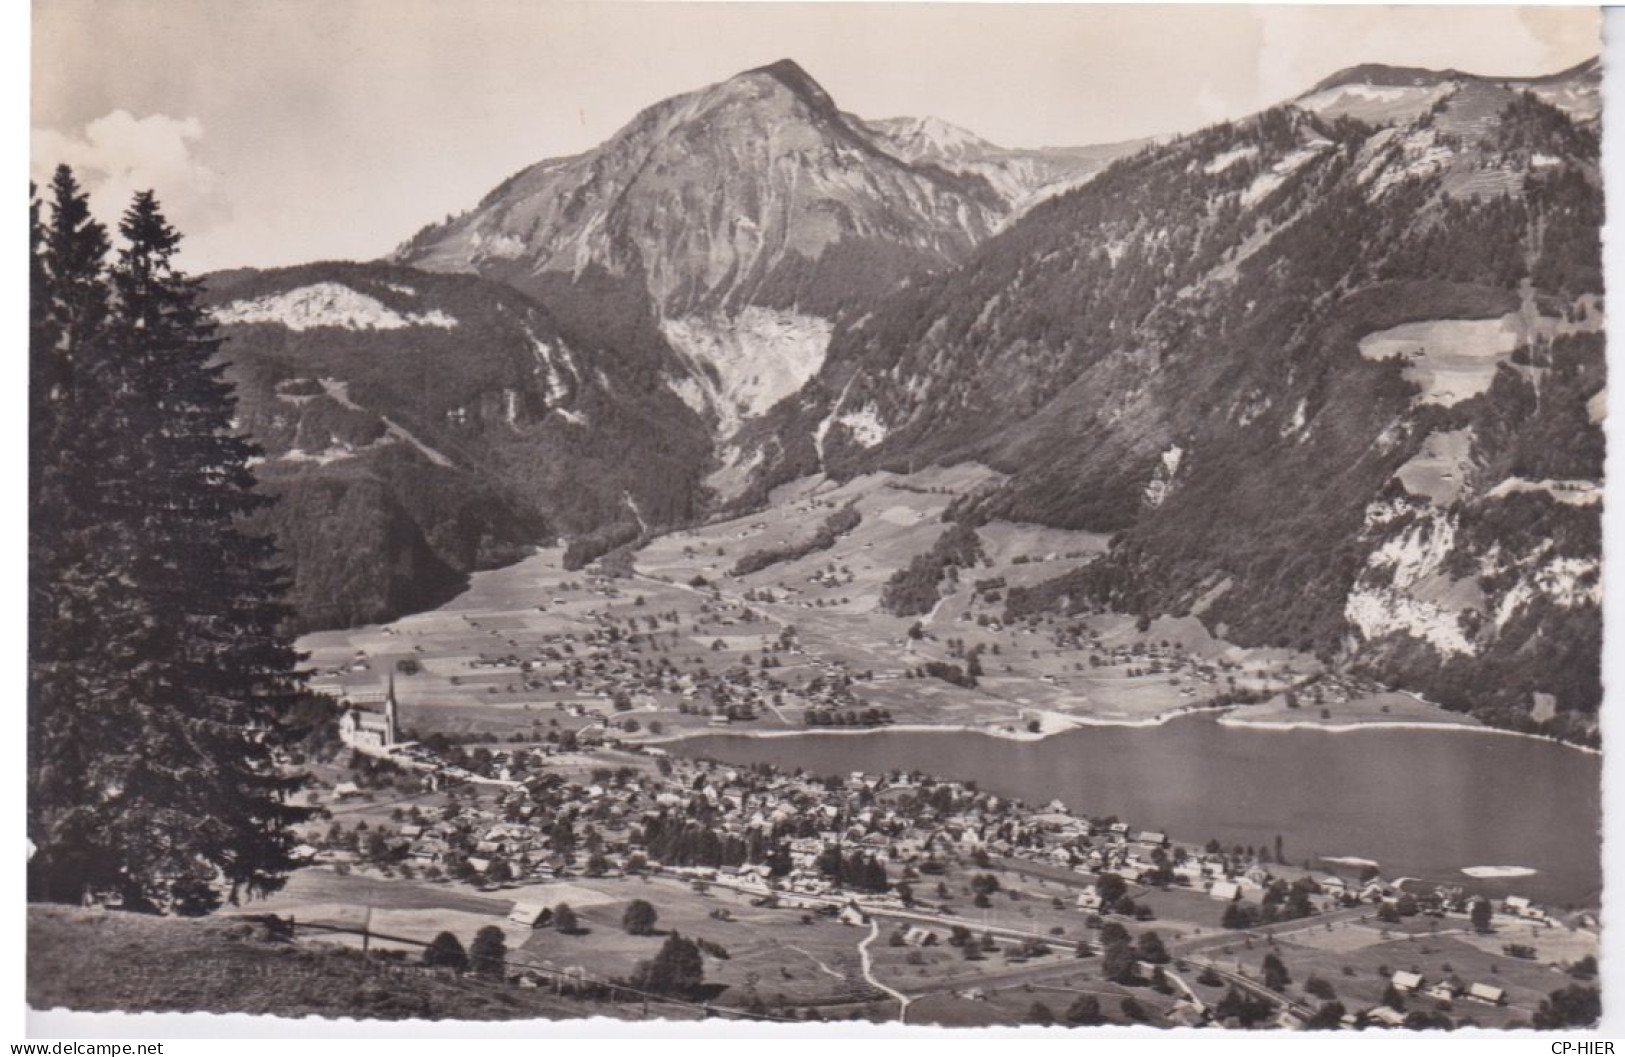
1390,157
1221,162
334,453
496,244
1376,104
327,304
1268,181
741,365
1300,418
552,363
930,138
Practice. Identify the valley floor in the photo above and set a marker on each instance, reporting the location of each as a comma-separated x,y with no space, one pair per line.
503,657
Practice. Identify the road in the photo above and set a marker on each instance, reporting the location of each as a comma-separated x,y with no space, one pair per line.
874,981
1191,953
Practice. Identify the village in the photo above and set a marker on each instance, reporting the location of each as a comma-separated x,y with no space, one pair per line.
887,895
525,757
692,632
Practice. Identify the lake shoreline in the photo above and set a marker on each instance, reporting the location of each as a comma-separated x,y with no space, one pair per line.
1222,716
1444,805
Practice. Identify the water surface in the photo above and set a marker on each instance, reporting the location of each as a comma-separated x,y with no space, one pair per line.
1423,803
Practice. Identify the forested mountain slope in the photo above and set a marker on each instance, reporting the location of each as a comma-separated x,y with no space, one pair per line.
419,426
1332,383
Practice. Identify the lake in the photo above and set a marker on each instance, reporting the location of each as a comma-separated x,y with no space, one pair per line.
1423,803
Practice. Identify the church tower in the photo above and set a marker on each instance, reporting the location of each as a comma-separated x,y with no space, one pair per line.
391,716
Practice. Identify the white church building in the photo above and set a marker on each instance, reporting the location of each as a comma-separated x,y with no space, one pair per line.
372,731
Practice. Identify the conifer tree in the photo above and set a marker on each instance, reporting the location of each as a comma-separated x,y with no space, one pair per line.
159,666
70,582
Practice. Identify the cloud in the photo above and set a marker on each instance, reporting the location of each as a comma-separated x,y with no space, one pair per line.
118,154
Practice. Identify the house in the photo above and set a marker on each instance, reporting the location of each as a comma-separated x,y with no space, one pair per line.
1487,994
1387,1016
915,936
1089,899
1224,891
529,915
851,915
1186,1014
1446,990
346,789
1153,838
1406,981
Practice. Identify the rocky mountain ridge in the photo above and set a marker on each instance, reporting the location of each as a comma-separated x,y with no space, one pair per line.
746,212
1278,359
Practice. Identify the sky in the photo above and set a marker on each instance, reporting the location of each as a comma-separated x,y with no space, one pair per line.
281,131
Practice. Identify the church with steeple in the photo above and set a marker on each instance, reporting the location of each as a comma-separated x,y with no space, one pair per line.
372,731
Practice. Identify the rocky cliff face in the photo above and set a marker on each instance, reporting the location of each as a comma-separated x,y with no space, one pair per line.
729,196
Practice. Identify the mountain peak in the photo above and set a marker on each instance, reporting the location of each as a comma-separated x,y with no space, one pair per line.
800,83
931,138
1383,76
787,70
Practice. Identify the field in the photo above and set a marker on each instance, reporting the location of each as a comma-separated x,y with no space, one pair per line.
787,957
1384,707
521,654
94,960
1450,359
1440,469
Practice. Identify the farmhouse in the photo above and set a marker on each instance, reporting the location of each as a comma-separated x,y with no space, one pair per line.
1446,990
1386,1016
915,936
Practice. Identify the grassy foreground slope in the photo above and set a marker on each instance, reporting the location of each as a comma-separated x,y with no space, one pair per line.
93,960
